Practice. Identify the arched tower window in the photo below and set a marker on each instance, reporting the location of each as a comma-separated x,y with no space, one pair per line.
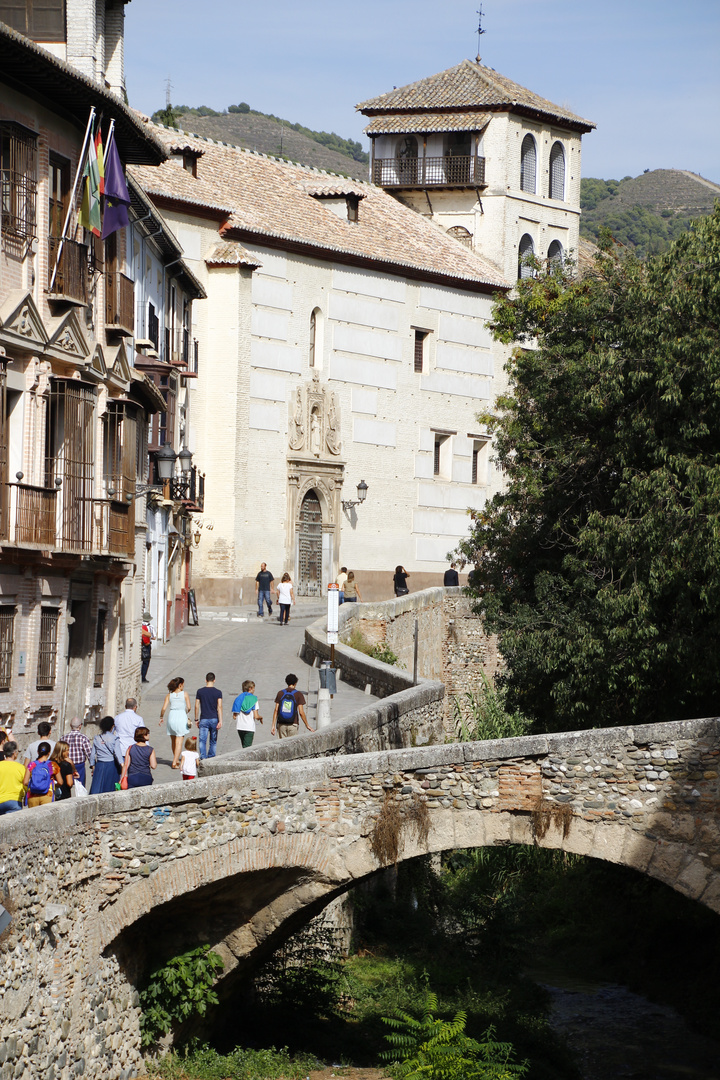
526,247
315,348
528,164
556,253
557,172
462,234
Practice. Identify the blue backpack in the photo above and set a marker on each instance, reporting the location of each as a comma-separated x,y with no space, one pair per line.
41,776
287,711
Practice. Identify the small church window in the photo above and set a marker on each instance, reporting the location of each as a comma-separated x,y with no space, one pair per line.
557,172
315,347
313,334
528,164
526,248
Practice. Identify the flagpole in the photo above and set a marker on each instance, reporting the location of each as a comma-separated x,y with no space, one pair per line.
71,204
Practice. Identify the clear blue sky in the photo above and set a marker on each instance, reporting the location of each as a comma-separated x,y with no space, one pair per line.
646,71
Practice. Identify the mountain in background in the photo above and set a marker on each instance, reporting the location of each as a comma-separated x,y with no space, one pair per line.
648,212
243,126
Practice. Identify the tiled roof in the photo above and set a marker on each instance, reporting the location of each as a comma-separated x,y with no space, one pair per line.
339,188
389,123
268,198
230,253
468,85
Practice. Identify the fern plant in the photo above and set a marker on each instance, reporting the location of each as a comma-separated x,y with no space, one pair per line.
430,1048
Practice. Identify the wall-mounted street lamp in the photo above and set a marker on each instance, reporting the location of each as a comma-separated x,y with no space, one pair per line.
165,459
362,490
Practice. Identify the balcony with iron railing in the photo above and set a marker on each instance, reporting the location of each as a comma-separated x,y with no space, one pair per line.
119,303
412,172
38,518
71,278
189,488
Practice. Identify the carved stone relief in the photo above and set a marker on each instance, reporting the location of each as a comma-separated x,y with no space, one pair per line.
314,423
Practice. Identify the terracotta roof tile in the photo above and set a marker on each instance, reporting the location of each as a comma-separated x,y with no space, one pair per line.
270,198
388,124
230,253
468,85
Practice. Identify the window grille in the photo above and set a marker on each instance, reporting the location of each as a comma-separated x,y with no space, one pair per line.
436,457
18,181
528,165
419,356
7,640
476,451
557,172
47,649
313,334
526,248
100,648
70,457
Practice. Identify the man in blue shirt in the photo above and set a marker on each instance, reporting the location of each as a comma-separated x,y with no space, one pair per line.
208,715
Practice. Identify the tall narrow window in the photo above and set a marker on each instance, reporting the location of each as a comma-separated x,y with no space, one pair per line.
100,648
59,191
47,648
557,172
442,456
419,357
479,461
313,336
556,253
528,165
7,641
525,249
18,177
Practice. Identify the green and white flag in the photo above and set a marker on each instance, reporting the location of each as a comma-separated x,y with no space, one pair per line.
89,216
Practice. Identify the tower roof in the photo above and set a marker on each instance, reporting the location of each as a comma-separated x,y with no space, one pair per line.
469,86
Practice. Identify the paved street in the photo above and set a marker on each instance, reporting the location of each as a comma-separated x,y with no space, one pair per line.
236,645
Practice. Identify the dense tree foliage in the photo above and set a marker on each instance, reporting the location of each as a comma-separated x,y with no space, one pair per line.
599,565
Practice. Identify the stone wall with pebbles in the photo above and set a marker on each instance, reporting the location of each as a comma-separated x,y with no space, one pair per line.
102,887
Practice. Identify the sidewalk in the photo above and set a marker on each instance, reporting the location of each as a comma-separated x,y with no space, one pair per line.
236,645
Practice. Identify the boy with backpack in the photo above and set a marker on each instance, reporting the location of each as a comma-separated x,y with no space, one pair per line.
39,777
289,709
246,712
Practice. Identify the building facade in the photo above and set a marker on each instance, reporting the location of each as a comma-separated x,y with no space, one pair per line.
74,410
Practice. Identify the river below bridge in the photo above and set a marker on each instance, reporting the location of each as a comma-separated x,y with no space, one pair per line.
615,1034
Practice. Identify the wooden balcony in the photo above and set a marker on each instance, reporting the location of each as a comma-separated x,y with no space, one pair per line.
34,511
71,279
119,303
429,172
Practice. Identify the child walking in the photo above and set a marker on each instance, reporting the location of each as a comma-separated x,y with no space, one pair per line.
246,712
189,759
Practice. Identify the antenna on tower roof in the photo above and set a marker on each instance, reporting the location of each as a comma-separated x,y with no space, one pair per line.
168,91
480,31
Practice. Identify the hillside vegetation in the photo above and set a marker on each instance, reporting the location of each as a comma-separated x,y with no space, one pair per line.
269,134
646,212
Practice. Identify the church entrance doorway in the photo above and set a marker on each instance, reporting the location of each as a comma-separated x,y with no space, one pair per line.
310,547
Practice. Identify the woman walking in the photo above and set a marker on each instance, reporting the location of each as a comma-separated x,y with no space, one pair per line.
285,598
66,778
103,762
139,761
352,593
400,581
177,706
40,777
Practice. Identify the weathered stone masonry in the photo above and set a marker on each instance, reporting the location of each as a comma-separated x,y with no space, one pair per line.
104,885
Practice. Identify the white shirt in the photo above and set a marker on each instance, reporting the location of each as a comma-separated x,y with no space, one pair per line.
284,591
246,720
126,724
188,762
32,751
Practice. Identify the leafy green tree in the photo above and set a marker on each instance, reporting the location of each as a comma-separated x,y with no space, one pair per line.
599,564
429,1048
178,990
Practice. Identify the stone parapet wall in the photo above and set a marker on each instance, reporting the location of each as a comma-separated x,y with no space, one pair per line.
79,875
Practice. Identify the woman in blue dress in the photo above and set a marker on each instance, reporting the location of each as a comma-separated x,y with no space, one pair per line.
177,706
106,771
139,762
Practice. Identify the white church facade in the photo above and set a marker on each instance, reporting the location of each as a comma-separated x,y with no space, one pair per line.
344,337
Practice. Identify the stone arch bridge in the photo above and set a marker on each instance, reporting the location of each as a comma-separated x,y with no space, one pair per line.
101,888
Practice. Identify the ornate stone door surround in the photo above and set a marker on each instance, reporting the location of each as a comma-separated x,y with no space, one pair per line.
314,464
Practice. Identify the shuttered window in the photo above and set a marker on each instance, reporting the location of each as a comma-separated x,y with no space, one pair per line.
41,20
526,248
528,165
557,172
555,252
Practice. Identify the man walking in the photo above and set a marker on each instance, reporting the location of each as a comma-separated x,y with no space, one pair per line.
147,638
80,748
262,587
289,710
208,715
31,753
126,724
